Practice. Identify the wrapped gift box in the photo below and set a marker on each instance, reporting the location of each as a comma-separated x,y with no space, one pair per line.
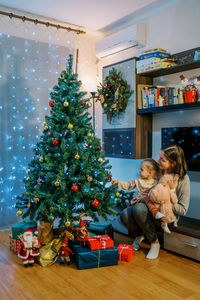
125,252
86,258
101,228
14,244
19,228
100,242
96,228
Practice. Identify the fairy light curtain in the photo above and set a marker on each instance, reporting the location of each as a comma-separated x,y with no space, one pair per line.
32,57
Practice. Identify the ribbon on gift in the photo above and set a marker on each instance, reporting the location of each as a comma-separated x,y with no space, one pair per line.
122,248
99,259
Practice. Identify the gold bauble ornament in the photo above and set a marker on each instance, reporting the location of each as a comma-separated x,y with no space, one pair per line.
28,205
66,103
19,212
77,156
46,127
44,123
117,194
63,77
89,134
100,159
51,218
105,105
28,178
41,158
57,183
89,178
90,105
68,223
70,126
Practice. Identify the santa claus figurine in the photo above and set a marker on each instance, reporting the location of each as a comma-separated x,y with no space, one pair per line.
64,252
83,233
29,246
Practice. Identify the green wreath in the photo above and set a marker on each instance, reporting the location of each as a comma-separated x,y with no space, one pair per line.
114,94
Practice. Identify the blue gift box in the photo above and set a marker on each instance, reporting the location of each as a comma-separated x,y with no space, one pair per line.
19,228
86,258
101,228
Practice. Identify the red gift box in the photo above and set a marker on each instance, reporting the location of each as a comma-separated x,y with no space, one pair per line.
14,244
125,252
100,242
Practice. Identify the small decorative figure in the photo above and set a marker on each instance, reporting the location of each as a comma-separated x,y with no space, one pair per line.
184,80
29,246
83,233
64,252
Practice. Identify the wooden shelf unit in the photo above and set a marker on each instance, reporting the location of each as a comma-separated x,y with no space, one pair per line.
143,134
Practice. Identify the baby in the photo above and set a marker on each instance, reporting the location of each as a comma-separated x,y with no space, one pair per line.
149,175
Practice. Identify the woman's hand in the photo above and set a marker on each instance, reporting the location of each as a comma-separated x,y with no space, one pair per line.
134,201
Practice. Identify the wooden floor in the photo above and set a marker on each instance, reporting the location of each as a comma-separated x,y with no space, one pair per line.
169,277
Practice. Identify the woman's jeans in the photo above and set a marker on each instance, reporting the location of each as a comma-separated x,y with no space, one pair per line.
139,221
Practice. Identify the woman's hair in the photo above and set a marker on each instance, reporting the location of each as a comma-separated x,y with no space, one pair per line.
175,153
152,165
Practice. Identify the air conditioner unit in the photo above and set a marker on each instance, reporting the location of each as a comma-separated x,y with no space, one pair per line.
133,36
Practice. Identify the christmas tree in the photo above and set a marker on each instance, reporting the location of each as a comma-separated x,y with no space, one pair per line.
68,176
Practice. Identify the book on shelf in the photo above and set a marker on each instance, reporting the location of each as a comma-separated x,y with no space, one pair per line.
145,100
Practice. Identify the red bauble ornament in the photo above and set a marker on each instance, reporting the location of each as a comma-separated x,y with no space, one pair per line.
99,148
83,103
50,133
74,188
51,103
55,142
35,153
39,182
95,202
110,178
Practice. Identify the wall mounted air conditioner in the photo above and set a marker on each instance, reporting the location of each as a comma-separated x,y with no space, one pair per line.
133,36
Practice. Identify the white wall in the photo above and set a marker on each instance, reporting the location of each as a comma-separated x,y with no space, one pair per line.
176,28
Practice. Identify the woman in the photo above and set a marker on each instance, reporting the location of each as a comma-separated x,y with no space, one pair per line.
139,220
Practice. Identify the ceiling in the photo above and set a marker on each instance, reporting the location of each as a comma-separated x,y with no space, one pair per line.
93,15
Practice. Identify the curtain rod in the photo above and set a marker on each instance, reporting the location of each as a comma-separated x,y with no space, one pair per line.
23,18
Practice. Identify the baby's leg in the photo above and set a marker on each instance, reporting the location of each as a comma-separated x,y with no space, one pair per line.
152,208
165,227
